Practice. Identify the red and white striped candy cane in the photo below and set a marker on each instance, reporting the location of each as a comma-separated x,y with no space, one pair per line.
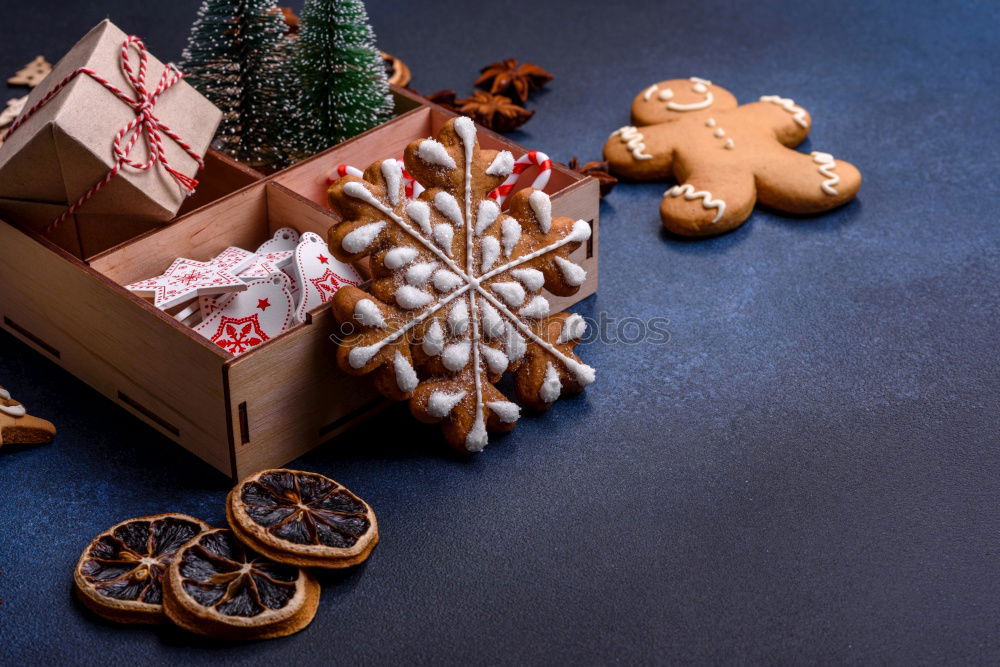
529,159
411,188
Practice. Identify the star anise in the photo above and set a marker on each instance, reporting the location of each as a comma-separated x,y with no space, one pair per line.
598,170
512,78
445,98
496,112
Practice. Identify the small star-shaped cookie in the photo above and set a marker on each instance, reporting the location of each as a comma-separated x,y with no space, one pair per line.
17,427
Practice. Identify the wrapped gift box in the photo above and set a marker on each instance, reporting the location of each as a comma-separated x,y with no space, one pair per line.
65,148
276,401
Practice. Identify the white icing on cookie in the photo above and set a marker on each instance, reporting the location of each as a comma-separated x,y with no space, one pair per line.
502,165
441,403
496,360
536,309
689,193
490,250
798,113
573,274
419,273
362,237
633,140
456,355
359,356
486,215
574,327
420,213
826,166
433,341
399,257
514,343
505,411
13,410
392,172
532,279
435,154
541,205
477,438
551,385
448,206
444,235
406,377
510,292
366,312
699,86
493,326
510,234
581,232
446,281
4,394
458,318
729,145
649,92
410,297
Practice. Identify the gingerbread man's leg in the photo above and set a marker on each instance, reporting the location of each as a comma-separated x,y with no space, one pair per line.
799,183
708,201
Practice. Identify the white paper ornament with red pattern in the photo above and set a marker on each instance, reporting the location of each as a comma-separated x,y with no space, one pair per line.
248,319
318,273
284,238
186,279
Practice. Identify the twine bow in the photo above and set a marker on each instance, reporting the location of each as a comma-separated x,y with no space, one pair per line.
145,125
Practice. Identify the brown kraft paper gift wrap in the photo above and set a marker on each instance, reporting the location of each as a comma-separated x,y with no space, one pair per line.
65,148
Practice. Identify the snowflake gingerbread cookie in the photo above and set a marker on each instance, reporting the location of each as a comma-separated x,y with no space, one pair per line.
455,298
725,156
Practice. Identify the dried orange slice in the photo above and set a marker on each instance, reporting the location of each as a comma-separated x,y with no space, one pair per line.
120,574
302,518
218,588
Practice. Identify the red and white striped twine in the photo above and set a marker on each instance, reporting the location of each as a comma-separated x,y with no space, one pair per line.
145,123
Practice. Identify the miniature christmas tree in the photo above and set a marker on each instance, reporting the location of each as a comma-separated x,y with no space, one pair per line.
343,86
237,57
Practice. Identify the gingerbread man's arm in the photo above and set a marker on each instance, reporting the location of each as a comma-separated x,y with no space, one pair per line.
643,153
794,182
789,122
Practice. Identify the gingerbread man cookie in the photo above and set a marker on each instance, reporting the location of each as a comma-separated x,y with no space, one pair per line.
17,427
725,156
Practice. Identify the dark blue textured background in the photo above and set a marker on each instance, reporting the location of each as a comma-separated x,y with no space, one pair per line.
808,471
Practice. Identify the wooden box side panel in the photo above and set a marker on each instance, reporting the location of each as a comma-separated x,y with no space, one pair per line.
239,219
285,402
221,176
112,342
580,202
286,208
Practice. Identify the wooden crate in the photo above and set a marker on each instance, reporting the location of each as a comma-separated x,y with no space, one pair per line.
277,401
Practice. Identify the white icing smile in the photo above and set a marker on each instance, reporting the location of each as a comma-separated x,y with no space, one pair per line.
699,86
